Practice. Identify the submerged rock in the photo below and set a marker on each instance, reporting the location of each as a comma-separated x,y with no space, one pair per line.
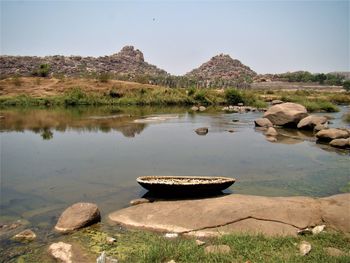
202,131
286,114
77,216
25,235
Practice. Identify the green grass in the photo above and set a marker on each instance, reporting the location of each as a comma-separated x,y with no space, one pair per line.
138,246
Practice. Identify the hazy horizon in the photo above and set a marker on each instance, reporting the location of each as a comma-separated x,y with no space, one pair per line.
177,36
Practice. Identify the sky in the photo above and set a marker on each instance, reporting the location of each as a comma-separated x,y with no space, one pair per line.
177,36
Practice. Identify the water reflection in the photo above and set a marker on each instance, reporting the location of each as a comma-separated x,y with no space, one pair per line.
45,122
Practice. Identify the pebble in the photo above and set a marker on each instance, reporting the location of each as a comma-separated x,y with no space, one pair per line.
171,235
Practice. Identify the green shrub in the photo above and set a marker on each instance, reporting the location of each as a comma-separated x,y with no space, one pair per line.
42,71
104,77
346,85
233,96
75,97
201,97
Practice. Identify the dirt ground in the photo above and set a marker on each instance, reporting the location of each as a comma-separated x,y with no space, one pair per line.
43,87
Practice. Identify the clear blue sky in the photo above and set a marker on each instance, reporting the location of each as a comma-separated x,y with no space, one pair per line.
269,36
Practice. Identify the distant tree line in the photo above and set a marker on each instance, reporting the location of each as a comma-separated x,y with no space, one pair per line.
305,76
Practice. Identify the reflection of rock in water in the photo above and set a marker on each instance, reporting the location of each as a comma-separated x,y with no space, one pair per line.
132,129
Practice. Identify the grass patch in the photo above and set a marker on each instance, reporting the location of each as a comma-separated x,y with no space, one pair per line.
138,246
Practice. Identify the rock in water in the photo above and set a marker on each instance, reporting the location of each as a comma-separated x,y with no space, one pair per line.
25,235
331,134
263,122
275,102
310,122
286,114
77,216
340,143
202,131
271,132
61,251
202,108
304,248
217,249
194,108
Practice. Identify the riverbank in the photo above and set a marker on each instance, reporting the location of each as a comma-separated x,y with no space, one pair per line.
36,91
312,244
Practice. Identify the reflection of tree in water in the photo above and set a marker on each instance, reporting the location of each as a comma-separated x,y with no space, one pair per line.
44,122
47,134
132,129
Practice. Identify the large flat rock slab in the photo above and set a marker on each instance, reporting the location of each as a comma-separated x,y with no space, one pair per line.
238,213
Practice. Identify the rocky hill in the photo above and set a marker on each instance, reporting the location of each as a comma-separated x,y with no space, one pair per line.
224,70
129,61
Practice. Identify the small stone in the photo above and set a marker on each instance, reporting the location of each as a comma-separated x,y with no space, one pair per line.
231,130
217,249
304,248
61,251
139,201
235,120
340,143
334,252
318,229
275,102
194,108
171,261
202,131
171,235
110,240
202,108
199,242
240,104
25,235
271,132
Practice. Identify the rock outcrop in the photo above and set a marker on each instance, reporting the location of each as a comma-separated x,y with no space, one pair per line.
286,114
239,213
221,68
77,216
128,62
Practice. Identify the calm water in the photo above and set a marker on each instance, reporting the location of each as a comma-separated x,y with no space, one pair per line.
53,158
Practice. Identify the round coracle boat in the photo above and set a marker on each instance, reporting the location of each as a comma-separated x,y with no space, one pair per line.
190,184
